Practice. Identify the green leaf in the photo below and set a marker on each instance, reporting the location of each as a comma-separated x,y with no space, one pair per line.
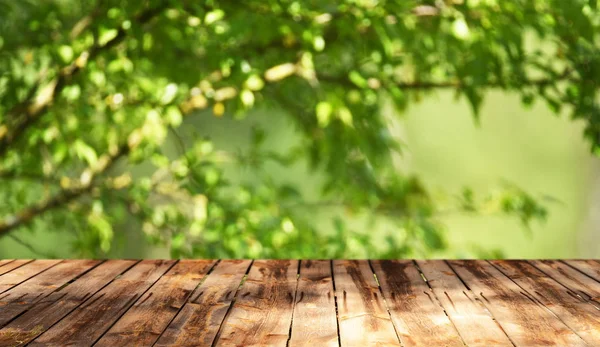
213,16
173,116
106,35
104,229
357,79
324,110
66,53
85,152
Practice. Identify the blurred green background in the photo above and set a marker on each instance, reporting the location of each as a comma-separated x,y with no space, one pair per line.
531,148
347,128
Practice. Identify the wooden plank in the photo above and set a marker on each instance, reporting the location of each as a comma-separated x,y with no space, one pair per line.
7,267
144,322
199,320
526,322
23,273
262,313
60,303
588,267
18,299
473,322
87,323
418,318
576,313
5,261
314,321
577,282
363,317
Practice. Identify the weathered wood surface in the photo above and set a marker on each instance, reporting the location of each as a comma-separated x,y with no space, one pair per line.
87,323
523,319
472,320
199,321
262,314
363,317
299,303
315,307
18,299
149,316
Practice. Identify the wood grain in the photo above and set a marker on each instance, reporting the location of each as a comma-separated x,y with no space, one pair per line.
149,316
363,317
472,320
291,303
588,267
524,320
23,273
576,313
9,266
418,318
199,320
577,282
18,299
262,313
5,261
57,305
88,322
314,321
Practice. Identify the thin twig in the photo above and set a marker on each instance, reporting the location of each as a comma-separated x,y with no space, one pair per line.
31,248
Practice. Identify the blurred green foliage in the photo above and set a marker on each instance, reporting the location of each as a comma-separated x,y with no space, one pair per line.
91,90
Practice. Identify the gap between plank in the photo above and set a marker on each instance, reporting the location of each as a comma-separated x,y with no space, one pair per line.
482,303
84,301
387,308
337,315
437,301
37,300
235,295
25,263
8,262
573,267
535,300
589,299
294,306
133,301
187,300
28,278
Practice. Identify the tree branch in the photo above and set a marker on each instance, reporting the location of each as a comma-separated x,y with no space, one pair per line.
29,176
425,85
31,248
26,215
28,112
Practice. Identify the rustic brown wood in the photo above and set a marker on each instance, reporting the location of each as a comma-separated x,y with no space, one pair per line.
577,282
362,314
5,261
292,303
150,315
23,273
18,299
314,321
525,321
588,267
262,313
199,320
473,322
87,323
57,305
418,318
9,266
577,314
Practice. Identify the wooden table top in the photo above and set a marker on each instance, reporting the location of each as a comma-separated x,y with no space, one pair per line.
299,303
